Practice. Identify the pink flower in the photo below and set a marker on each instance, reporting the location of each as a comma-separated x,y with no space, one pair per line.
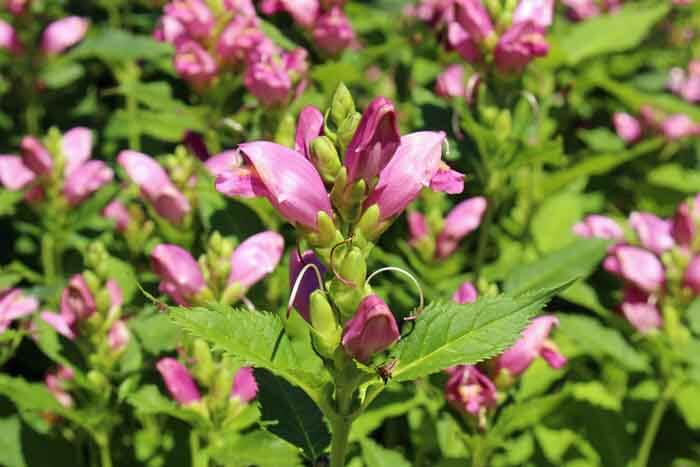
170,30
466,293
640,310
447,180
469,390
460,222
85,180
76,146
579,10
17,7
286,178
118,337
63,34
628,128
14,175
417,227
194,63
194,15
239,39
676,80
36,156
600,227
245,388
683,223
308,283
537,12
460,40
473,17
450,83
304,12
58,382
177,379
371,330
180,276
691,89
77,301
533,343
220,163
255,258
691,278
269,81
240,7
637,266
333,32
155,185
679,126
8,38
518,46
116,211
60,323
309,126
14,305
654,233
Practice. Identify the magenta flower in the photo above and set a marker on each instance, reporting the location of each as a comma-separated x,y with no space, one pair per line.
155,185
220,163
538,12
170,30
77,301
691,89
466,293
579,10
286,178
473,17
240,7
245,388
239,39
683,223
460,40
63,34
691,278
333,32
177,379
374,143
194,63
628,128
58,382
371,330
17,7
518,46
640,310
14,305
308,283
304,12
469,390
269,81
36,156
255,258
180,276
118,337
679,126
460,222
417,227
14,175
599,227
76,146
637,266
85,180
117,212
194,15
450,83
8,38
309,126
653,233
533,343
61,323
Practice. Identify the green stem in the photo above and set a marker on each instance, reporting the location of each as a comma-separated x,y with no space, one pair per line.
340,425
102,440
653,424
483,237
199,457
48,258
479,456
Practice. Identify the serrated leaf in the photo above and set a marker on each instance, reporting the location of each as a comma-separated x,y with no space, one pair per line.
447,333
260,340
156,332
598,340
576,260
595,393
378,456
149,401
258,448
294,416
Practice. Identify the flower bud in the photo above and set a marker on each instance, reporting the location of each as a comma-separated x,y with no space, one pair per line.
239,39
640,311
8,38
474,18
469,390
194,15
534,342
685,220
342,105
466,293
309,126
373,329
85,180
333,32
325,157
178,381
450,83
118,337
255,258
58,382
14,305
194,63
346,130
679,126
600,227
640,267
245,388
462,220
77,301
63,34
269,81
14,175
180,276
653,233
325,324
354,267
628,128
518,46
691,278
117,212
36,156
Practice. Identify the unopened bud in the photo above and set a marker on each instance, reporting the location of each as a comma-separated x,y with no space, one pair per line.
325,324
347,129
325,157
326,229
285,131
354,267
503,124
342,105
369,222
205,363
103,301
93,282
232,293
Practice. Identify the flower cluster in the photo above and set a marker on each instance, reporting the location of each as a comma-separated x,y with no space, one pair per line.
686,84
210,42
659,266
324,21
14,304
652,121
57,37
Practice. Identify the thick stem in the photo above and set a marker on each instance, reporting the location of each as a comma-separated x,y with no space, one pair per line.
479,454
340,426
483,237
102,440
199,457
48,258
653,424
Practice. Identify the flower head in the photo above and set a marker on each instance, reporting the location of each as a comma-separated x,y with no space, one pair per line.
63,34
180,276
177,379
533,343
371,330
255,258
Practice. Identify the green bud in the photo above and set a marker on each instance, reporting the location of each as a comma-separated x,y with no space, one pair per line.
325,157
325,324
284,134
503,124
221,385
232,293
326,229
98,381
204,369
338,190
354,267
369,222
347,129
342,105
215,241
203,297
352,208
103,301
94,283
494,8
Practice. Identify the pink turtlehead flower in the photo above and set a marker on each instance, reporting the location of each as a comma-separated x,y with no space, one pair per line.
374,143
640,310
245,388
637,266
8,38
118,337
36,156
239,39
447,180
269,81
17,7
371,330
691,89
469,390
63,34
653,233
304,12
14,304
598,226
240,7
179,273
194,15
255,258
77,301
220,163
533,343
170,30
417,227
460,222
466,293
333,32
58,383
679,126
518,46
85,180
14,175
676,80
177,379
116,211
683,223
538,12
450,83
460,40
283,176
308,283
194,63
691,277
155,185
435,12
76,146
473,17
309,126
628,128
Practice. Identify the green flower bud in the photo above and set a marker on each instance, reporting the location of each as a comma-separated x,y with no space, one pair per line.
352,208
327,331
325,157
103,301
326,229
347,129
232,293
338,190
94,283
98,381
284,134
369,222
221,385
503,124
342,105
204,369
354,267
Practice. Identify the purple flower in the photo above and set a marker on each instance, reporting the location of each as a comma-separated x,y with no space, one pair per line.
194,63
286,178
654,233
460,40
460,222
628,128
36,156
85,180
180,276
537,12
118,337
8,38
14,305
14,175
518,46
255,258
194,15
679,126
63,34
533,343
637,266
466,293
309,126
245,388
600,227
116,211
177,379
450,83
473,17
371,330
469,390
641,312
374,143
333,32
155,185
194,142
309,282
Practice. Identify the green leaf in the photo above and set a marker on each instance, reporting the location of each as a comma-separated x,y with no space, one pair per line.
258,448
62,73
693,316
118,45
295,417
149,401
29,396
260,340
606,34
601,140
675,177
124,274
390,403
518,416
551,225
577,260
156,332
447,333
595,393
597,339
8,200
11,442
378,456
687,403
554,443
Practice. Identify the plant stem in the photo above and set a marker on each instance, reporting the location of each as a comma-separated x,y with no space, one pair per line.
652,428
48,258
199,457
340,426
483,237
478,452
102,440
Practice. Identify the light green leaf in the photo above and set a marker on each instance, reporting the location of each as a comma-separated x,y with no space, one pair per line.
687,402
117,45
447,333
8,201
675,177
11,442
516,417
61,73
693,316
156,332
601,140
378,456
554,443
390,403
149,401
595,393
551,225
258,448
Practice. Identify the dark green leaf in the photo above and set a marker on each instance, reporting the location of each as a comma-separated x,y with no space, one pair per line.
258,448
